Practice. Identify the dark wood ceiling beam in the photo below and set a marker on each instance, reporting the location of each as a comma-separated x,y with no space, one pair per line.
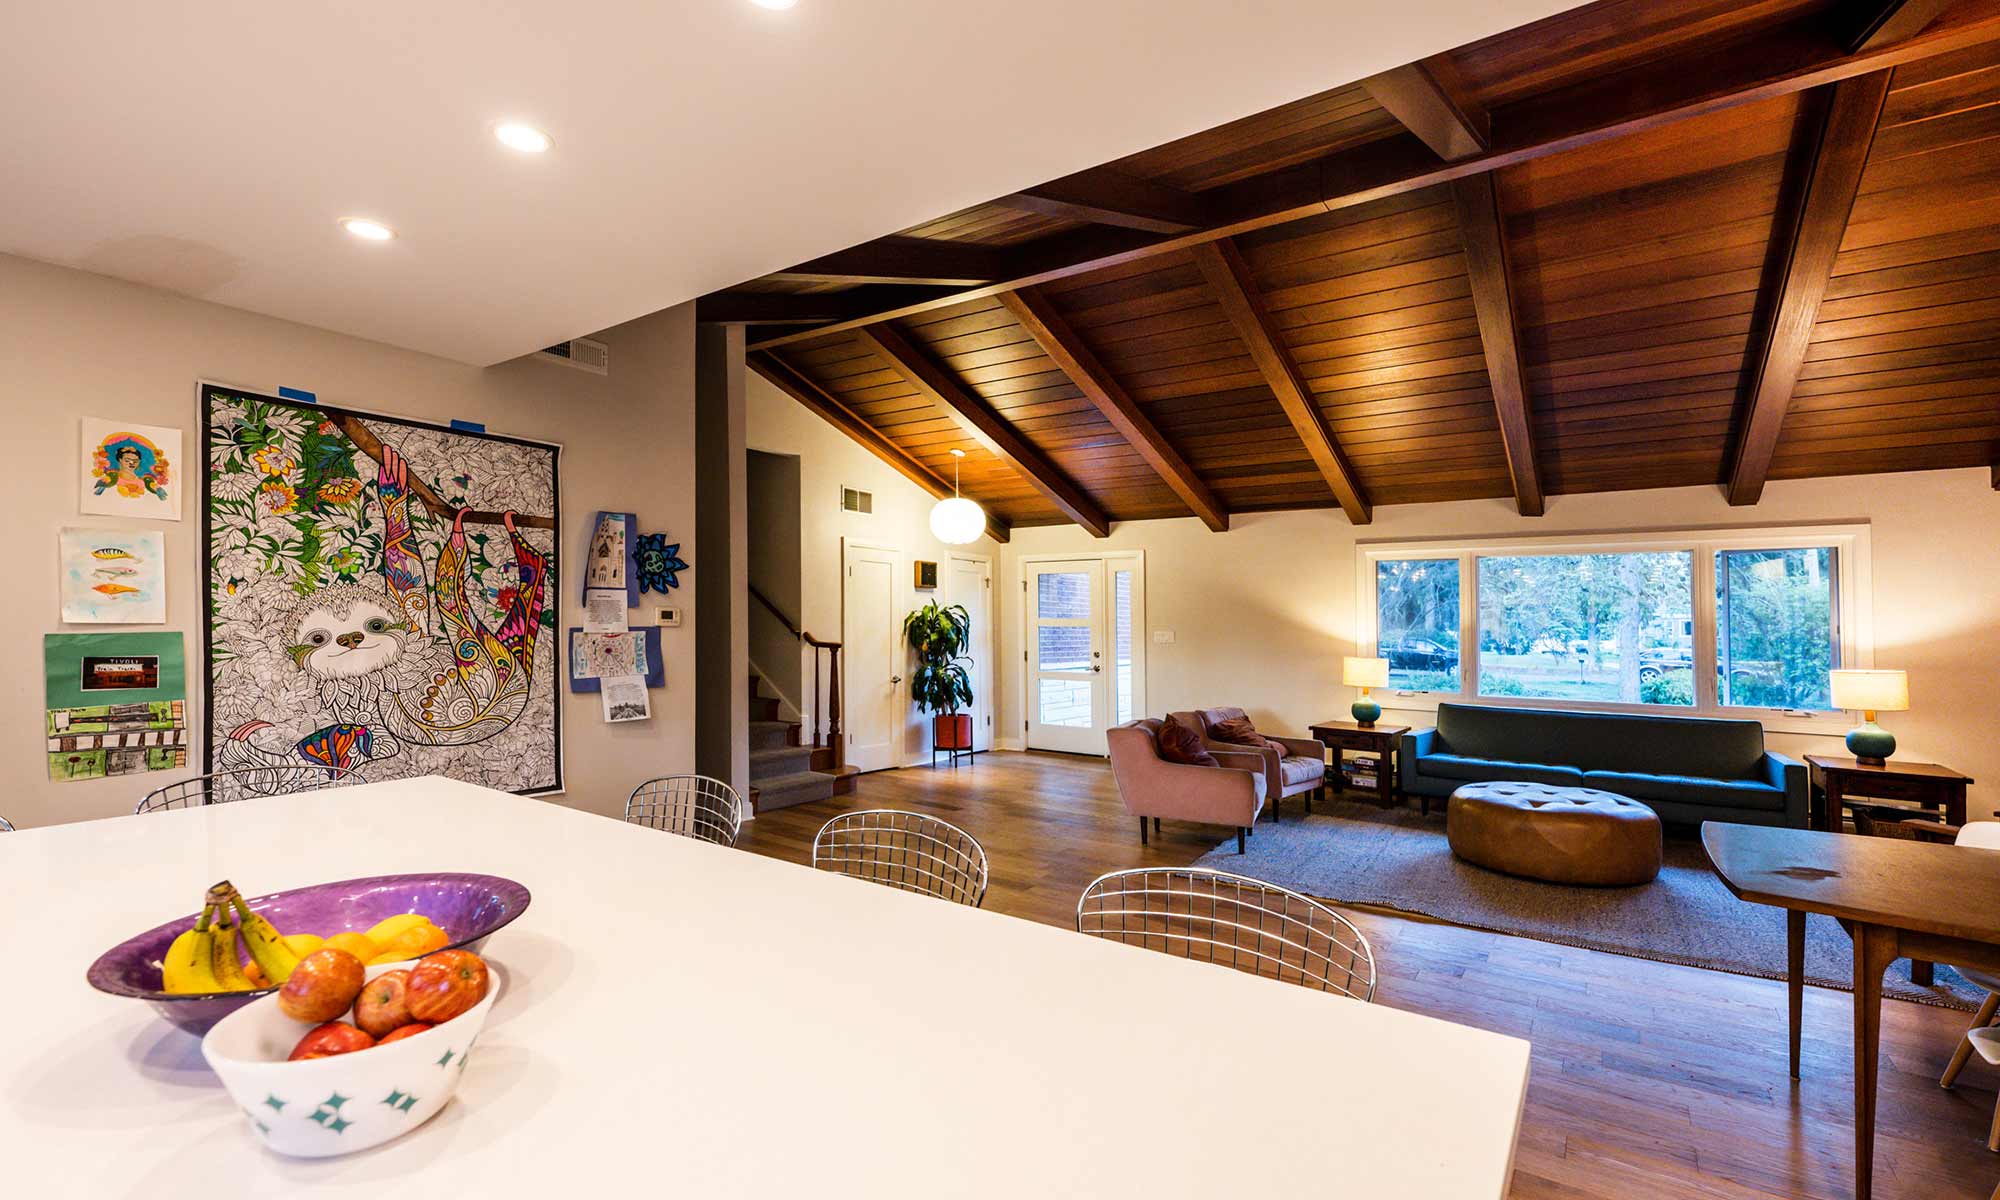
1822,177
789,380
903,260
1061,343
1236,291
1782,61
1484,234
985,426
1868,24
806,308
1433,102
1103,197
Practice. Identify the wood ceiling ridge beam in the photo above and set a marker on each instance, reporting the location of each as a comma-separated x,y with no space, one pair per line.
987,427
1069,352
1235,290
1704,79
1866,24
1431,100
1107,197
794,383
1824,175
1483,230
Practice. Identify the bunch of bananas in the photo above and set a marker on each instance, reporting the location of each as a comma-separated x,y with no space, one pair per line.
208,956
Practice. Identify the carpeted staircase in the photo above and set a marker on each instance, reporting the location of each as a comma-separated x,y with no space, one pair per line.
782,771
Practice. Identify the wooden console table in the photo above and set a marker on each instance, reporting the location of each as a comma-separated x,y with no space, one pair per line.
1927,785
1376,741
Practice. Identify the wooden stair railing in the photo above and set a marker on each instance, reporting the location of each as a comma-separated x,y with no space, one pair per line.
825,717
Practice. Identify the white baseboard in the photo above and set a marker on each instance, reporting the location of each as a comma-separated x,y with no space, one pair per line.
1009,744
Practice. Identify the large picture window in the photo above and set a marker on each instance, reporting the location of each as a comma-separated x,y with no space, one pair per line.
1743,622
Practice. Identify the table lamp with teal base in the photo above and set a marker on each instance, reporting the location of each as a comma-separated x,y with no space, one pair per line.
1871,692
1365,673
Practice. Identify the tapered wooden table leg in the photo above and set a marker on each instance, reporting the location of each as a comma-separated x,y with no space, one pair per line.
1874,950
1795,977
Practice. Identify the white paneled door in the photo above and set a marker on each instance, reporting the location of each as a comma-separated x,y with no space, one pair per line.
872,673
969,582
1068,697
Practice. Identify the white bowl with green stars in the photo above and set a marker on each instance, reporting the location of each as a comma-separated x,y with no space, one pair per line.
324,1107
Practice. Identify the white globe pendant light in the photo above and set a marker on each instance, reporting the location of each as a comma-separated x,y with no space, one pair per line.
957,521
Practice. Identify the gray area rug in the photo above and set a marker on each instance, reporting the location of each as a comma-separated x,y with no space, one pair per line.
1396,859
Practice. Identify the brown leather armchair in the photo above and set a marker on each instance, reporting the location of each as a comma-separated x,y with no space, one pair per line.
1231,793
1299,770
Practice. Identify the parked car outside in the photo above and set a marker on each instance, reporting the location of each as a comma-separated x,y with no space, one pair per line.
1419,654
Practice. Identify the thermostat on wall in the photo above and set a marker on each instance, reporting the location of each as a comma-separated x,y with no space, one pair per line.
670,617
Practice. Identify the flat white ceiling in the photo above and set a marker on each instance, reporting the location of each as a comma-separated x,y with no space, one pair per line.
210,148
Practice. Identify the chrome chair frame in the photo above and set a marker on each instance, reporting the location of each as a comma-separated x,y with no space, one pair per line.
248,783
695,806
1232,920
908,851
6,826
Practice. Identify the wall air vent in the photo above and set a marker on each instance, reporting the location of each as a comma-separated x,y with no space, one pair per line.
583,354
855,500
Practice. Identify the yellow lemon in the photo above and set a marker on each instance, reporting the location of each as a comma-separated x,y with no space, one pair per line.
302,944
360,945
387,929
416,941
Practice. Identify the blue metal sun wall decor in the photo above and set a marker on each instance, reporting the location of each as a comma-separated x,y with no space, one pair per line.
660,564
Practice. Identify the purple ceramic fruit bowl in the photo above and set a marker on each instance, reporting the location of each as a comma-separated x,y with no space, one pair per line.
467,907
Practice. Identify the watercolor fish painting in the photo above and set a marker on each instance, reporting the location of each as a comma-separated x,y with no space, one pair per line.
113,576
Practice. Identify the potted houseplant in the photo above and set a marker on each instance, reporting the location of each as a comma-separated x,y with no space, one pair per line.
940,683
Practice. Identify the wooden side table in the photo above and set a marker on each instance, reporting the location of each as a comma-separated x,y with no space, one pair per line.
1925,785
1378,742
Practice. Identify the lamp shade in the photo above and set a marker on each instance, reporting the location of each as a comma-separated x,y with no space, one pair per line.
1871,691
1364,672
958,521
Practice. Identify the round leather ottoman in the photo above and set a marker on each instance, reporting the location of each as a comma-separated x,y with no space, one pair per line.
1555,834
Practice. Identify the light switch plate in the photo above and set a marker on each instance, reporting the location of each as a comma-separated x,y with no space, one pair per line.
1164,637
669,617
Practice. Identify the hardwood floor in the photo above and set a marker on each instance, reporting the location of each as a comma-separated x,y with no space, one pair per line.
1649,1080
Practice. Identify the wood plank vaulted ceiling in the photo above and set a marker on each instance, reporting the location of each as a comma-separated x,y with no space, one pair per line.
1644,243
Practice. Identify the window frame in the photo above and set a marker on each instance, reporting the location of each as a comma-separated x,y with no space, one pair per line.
1850,544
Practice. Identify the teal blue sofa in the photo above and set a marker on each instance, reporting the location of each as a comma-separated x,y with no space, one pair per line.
1688,769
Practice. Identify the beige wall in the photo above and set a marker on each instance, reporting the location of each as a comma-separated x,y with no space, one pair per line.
75,345
1262,614
829,459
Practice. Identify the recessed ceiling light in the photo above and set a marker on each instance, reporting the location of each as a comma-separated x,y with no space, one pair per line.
367,230
775,5
525,138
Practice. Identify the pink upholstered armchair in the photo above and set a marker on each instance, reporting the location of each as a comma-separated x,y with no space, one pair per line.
1152,787
1299,770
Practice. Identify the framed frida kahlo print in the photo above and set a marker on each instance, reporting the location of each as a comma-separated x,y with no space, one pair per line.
381,595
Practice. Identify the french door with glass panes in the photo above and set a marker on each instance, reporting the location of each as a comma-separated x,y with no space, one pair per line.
1085,664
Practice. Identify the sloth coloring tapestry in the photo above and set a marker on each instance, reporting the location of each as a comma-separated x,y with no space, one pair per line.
381,595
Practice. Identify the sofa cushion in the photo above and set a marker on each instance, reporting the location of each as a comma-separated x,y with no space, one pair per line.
1238,731
1179,744
1461,766
1688,789
1698,747
1295,770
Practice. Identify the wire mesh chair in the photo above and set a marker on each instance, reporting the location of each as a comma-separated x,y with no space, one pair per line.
904,850
1233,920
223,787
695,806
6,826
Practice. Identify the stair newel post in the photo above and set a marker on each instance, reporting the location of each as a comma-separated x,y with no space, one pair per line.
819,712
833,705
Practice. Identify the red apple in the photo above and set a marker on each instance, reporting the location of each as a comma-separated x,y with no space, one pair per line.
402,1031
322,986
445,984
383,1005
325,1041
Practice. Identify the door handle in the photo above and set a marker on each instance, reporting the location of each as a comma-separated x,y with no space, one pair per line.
895,679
